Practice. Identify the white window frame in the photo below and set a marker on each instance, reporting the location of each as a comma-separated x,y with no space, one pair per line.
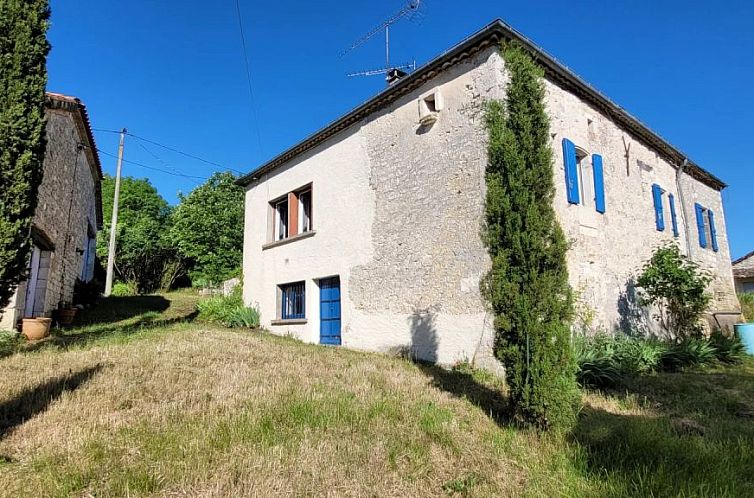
281,222
304,218
586,177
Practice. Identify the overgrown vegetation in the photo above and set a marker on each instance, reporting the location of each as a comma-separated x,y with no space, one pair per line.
527,287
143,253
228,311
159,247
23,76
677,288
609,361
747,305
207,230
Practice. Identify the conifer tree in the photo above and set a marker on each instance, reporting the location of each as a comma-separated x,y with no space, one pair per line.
23,76
527,286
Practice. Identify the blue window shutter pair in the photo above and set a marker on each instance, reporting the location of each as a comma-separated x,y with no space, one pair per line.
700,212
599,183
673,218
571,174
572,177
659,218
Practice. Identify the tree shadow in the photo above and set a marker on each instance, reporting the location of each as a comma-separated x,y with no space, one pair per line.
633,317
36,400
458,382
695,437
115,309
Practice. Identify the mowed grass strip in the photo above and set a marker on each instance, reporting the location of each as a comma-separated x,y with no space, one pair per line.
137,401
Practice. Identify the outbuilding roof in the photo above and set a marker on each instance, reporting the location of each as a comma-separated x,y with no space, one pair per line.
491,35
81,118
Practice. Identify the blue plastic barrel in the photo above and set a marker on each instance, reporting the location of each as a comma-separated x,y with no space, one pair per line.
746,332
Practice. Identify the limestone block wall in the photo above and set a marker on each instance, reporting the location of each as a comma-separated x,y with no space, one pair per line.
66,208
609,250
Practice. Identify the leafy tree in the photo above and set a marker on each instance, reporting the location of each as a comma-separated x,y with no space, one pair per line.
527,286
208,229
23,76
142,251
677,287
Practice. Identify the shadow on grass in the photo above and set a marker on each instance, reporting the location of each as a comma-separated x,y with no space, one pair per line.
36,400
697,441
462,384
115,309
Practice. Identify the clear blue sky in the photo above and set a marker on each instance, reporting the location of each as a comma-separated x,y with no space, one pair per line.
173,72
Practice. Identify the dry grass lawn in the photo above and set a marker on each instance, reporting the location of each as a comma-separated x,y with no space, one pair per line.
148,406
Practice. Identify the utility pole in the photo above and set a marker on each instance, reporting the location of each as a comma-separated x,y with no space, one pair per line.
114,222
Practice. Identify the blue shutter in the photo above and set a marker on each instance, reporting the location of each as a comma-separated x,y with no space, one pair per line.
673,218
659,218
599,183
712,230
572,176
700,225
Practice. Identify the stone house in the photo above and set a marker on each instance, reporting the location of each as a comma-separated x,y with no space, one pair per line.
67,216
743,273
367,233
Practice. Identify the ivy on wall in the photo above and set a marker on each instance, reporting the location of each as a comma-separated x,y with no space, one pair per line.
527,286
23,76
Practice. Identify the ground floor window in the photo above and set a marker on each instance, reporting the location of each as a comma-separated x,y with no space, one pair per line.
292,301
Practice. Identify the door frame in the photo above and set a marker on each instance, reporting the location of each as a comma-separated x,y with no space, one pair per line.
31,283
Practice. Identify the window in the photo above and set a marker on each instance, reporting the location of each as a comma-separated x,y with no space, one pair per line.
291,214
582,168
585,182
305,211
292,301
705,224
281,220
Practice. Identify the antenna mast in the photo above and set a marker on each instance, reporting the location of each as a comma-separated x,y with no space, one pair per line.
409,10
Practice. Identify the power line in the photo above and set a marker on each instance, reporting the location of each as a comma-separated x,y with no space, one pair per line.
171,149
248,76
191,177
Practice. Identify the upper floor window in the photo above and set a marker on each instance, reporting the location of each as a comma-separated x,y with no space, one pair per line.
585,182
292,214
705,224
658,196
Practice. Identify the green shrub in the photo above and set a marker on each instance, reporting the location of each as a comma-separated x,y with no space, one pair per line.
124,289
9,342
228,311
604,360
728,349
747,305
674,283
690,352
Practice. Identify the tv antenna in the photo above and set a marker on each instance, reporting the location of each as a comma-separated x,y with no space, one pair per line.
409,10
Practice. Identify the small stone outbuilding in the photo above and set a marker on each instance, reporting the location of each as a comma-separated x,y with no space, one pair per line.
743,273
67,217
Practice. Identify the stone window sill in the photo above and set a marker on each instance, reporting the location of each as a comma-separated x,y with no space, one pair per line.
291,321
288,240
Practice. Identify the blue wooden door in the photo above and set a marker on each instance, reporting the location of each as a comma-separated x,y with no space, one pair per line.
329,311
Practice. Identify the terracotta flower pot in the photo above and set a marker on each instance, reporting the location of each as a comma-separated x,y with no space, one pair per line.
66,316
36,328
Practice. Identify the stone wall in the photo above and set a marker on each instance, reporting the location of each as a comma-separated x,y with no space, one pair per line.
66,208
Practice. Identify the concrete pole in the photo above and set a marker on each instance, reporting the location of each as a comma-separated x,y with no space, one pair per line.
114,222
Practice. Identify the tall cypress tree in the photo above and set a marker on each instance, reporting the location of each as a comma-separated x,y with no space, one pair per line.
527,286
23,76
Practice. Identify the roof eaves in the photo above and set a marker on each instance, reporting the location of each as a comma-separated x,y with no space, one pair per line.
494,32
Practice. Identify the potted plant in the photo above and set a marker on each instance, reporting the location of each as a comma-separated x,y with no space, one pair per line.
66,313
35,329
746,330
